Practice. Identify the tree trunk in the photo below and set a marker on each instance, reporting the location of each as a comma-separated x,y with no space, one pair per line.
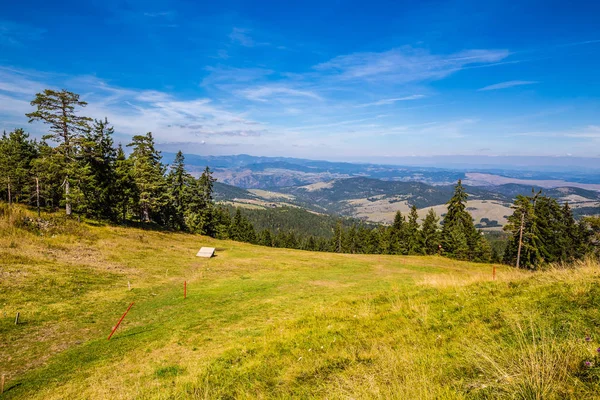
145,214
37,195
9,194
67,197
520,240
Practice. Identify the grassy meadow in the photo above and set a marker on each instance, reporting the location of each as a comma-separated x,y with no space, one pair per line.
274,323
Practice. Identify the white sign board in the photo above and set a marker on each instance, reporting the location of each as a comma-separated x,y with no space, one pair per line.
206,252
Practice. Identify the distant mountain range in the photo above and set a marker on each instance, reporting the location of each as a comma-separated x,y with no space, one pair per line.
274,172
375,192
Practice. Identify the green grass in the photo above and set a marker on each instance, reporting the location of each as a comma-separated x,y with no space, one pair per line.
275,323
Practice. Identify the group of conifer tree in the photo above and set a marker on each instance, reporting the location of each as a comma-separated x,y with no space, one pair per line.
542,231
86,174
457,237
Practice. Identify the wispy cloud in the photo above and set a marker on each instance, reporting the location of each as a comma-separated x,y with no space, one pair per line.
587,132
506,85
276,92
131,111
392,101
406,64
242,37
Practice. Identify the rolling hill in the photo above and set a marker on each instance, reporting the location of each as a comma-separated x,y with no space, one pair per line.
378,200
272,323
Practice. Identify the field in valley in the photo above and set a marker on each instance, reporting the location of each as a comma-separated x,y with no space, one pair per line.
261,322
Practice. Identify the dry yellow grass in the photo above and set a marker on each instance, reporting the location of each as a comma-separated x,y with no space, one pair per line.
276,323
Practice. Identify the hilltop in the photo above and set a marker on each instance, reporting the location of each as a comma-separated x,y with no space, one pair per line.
261,322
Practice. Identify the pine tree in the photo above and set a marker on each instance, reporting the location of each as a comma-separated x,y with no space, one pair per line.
49,169
265,238
181,187
413,234
17,153
398,243
59,110
460,239
350,242
148,174
573,242
522,225
431,233
97,170
125,192
338,238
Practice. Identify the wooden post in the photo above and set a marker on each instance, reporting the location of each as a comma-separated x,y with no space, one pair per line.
17,318
37,194
2,384
520,239
184,290
119,323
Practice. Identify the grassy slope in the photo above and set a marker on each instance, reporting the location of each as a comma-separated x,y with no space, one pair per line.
276,323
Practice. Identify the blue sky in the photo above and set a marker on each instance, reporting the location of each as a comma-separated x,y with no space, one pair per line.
336,80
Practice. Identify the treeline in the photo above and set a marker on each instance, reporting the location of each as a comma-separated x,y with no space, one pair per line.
543,231
84,172
457,237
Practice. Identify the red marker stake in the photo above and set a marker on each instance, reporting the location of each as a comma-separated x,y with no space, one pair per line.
119,323
184,290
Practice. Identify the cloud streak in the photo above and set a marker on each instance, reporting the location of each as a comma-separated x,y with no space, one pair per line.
406,64
392,101
506,85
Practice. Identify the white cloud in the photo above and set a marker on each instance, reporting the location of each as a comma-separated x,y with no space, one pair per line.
277,92
505,85
588,132
406,64
242,37
392,101
131,111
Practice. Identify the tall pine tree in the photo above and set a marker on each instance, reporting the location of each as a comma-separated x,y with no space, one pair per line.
59,110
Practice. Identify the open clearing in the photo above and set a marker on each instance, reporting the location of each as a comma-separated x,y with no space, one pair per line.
382,210
274,323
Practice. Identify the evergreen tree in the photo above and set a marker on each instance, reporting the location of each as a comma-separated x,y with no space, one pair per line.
338,238
573,241
589,230
200,213
49,169
125,192
522,225
181,185
431,233
59,110
397,237
350,241
17,153
413,234
97,163
148,175
265,238
460,239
